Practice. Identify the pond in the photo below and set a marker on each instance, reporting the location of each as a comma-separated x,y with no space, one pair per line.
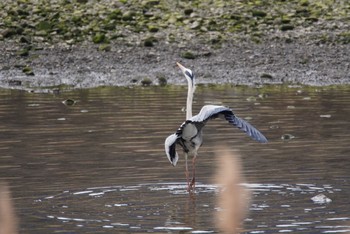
99,166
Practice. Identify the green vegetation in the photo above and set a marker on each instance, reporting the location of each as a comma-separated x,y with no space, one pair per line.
28,71
129,21
188,55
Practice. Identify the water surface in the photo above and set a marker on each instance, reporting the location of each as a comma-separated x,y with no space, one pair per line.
99,166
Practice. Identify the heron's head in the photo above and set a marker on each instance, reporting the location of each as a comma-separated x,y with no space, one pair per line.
188,74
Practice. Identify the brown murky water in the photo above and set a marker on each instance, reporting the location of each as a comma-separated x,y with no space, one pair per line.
99,166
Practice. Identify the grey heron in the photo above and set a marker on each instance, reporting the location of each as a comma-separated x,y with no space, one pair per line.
189,134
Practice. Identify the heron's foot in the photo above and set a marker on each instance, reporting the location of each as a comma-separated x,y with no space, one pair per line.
191,186
193,183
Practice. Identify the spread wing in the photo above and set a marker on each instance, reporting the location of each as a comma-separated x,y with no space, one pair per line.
212,111
190,128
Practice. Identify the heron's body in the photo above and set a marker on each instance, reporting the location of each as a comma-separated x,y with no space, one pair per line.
189,134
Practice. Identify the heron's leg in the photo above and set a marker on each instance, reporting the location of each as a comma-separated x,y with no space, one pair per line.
187,174
192,185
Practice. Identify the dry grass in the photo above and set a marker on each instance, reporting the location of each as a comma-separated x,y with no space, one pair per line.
233,199
8,220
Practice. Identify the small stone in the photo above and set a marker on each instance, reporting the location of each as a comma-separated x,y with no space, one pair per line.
195,25
99,38
8,33
148,42
115,14
188,11
251,99
150,3
215,38
287,27
69,102
321,199
128,16
146,82
28,71
162,81
41,33
153,28
104,47
24,52
24,39
44,26
258,13
188,55
266,76
15,82
287,137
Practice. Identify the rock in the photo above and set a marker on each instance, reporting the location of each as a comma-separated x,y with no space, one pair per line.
41,33
258,13
99,38
24,39
287,27
195,25
104,47
251,99
153,28
146,82
266,76
149,41
69,102
24,52
188,11
150,3
9,32
321,199
128,16
188,55
15,82
162,81
215,38
44,26
287,137
28,71
115,15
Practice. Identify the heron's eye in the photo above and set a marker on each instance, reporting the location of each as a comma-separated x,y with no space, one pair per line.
189,74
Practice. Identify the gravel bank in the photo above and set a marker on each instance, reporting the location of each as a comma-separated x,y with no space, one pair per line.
88,43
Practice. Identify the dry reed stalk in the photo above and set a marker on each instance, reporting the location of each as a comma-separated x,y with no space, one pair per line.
233,198
8,220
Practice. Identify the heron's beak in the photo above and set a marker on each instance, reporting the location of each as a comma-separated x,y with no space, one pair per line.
181,67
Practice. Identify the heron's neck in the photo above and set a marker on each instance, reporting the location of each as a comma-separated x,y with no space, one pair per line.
189,100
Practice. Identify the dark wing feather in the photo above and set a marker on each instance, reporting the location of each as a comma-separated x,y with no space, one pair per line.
212,111
190,128
170,149
245,127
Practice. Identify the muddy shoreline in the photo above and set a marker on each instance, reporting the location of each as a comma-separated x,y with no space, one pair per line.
238,64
